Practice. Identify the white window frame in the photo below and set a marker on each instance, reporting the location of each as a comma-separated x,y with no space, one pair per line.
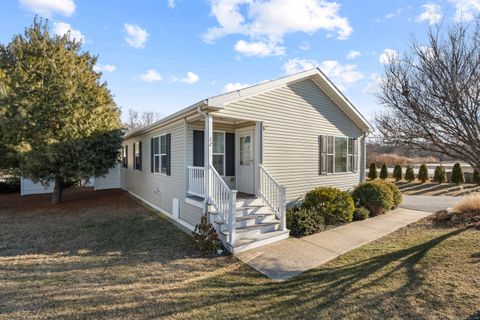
349,140
220,154
162,154
136,161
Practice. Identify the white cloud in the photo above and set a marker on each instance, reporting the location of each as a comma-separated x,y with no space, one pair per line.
61,28
48,8
171,4
387,55
190,78
104,68
150,76
305,46
342,75
431,13
466,10
234,86
136,37
259,48
394,14
269,21
353,54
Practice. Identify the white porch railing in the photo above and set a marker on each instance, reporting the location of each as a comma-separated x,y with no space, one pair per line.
273,194
196,181
224,200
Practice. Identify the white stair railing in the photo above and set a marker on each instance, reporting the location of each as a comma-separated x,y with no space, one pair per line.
224,200
273,194
196,181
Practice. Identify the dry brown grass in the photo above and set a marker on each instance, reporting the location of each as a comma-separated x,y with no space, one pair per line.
391,159
470,204
101,255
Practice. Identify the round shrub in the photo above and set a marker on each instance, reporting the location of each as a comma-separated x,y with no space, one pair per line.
396,193
372,172
384,172
303,222
423,173
361,214
476,177
440,175
398,172
409,174
457,174
376,197
332,204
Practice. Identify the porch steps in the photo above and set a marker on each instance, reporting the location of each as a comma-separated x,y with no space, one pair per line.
256,225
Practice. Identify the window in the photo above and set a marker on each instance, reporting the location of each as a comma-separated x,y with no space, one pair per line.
218,147
137,156
156,155
245,151
163,154
125,156
338,155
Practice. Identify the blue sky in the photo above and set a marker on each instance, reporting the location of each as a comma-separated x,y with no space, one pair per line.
163,55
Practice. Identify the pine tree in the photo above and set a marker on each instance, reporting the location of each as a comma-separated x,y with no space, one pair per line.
476,177
384,172
409,174
398,172
440,175
457,174
59,119
372,172
423,173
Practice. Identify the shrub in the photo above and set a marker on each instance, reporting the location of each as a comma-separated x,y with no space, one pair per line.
398,172
423,173
439,175
409,174
302,221
476,177
396,193
457,174
332,204
205,237
372,172
384,172
376,197
361,214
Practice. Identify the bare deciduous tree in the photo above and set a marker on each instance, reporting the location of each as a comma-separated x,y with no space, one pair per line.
137,120
432,94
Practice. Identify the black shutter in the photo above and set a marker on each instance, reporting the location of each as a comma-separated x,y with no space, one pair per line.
126,156
169,154
140,156
134,157
198,148
152,140
229,154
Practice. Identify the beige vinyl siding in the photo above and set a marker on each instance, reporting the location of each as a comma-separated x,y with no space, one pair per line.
294,117
159,189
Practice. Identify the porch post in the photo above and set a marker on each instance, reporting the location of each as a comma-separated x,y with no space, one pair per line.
208,153
258,155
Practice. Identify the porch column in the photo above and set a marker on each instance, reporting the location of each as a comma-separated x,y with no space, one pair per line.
208,152
258,155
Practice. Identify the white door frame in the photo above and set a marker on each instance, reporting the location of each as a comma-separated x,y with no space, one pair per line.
257,131
238,133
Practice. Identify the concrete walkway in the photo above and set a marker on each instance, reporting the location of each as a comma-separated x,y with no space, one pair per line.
429,203
287,258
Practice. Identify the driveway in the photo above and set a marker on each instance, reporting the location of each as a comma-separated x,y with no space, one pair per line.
428,203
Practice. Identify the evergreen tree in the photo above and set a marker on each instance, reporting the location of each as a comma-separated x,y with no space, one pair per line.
440,175
384,172
409,174
457,174
476,177
59,121
372,172
398,172
423,173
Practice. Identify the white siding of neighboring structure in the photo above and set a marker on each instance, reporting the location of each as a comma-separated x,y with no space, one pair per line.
294,117
156,189
28,187
112,180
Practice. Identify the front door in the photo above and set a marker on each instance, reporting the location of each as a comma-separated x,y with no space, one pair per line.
245,161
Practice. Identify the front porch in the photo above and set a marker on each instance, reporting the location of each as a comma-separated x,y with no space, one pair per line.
224,161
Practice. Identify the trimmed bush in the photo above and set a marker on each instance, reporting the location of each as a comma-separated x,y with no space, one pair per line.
423,173
302,222
384,172
440,175
398,172
361,214
205,238
409,174
396,193
457,174
376,197
476,177
332,204
372,172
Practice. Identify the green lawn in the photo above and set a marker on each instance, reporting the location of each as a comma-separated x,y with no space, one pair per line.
101,255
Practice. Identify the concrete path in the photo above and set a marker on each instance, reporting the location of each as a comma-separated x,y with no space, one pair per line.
285,259
428,203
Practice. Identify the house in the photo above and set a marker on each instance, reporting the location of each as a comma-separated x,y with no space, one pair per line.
241,156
